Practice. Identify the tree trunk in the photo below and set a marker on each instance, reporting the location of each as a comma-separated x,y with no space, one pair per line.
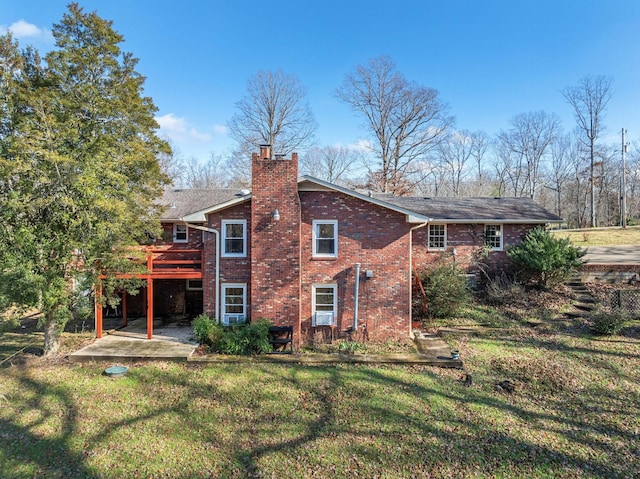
51,335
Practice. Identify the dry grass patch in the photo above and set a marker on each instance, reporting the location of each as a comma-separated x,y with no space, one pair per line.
601,236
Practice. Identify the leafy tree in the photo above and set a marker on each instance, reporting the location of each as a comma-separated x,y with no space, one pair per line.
79,170
275,112
545,259
406,120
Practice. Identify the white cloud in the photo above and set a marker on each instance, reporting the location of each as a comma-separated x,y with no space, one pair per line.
196,135
220,130
22,29
178,129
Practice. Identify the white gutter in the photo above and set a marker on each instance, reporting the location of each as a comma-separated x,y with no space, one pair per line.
217,233
411,272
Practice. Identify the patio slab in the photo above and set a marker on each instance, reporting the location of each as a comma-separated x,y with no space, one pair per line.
176,343
169,343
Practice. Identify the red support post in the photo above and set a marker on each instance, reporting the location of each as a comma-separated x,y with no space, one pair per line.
98,311
149,308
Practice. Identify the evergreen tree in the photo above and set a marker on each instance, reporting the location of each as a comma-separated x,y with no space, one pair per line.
545,259
79,171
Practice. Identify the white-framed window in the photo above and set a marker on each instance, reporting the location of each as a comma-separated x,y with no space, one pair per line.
194,285
325,238
437,237
493,236
234,238
234,303
325,304
180,233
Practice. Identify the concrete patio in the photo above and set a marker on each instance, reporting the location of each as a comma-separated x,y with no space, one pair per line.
172,342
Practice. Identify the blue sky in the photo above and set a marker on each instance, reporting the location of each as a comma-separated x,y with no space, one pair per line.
489,59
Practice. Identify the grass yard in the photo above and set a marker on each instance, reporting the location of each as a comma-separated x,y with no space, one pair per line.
574,413
601,236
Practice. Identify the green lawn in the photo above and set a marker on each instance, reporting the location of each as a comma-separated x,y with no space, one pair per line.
575,413
602,236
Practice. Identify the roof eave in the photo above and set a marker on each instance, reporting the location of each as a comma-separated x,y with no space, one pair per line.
412,216
201,216
495,220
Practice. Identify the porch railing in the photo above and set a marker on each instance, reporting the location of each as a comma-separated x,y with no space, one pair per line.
175,262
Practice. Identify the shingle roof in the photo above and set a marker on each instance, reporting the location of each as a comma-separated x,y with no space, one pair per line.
474,209
181,202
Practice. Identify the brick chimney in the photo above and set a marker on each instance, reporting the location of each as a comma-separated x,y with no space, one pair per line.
275,239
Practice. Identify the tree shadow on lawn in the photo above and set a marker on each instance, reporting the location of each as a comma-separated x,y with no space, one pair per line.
457,436
326,420
23,446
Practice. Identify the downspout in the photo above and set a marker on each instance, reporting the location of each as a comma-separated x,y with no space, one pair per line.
355,300
217,233
422,225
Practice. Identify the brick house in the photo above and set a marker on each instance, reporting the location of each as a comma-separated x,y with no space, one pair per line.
316,256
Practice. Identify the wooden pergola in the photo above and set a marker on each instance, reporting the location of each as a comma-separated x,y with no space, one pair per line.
161,264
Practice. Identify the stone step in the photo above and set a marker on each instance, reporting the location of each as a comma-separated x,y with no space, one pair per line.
584,307
587,299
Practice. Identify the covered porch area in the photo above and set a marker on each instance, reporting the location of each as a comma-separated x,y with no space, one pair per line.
173,289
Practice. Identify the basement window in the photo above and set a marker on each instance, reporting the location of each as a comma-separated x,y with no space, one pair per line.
194,285
234,297
325,304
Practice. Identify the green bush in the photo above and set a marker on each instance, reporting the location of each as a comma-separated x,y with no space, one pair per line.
207,331
544,259
605,323
447,290
241,339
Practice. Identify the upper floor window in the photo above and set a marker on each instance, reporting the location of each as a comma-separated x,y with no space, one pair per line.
325,238
180,233
437,237
493,236
234,238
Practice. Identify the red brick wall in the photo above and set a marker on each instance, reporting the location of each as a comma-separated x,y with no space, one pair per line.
367,234
232,270
166,239
275,245
467,239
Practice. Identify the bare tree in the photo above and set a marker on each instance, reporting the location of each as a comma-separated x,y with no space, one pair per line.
633,182
331,163
205,175
406,120
480,143
275,111
589,99
172,164
509,170
562,151
238,168
455,154
529,139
